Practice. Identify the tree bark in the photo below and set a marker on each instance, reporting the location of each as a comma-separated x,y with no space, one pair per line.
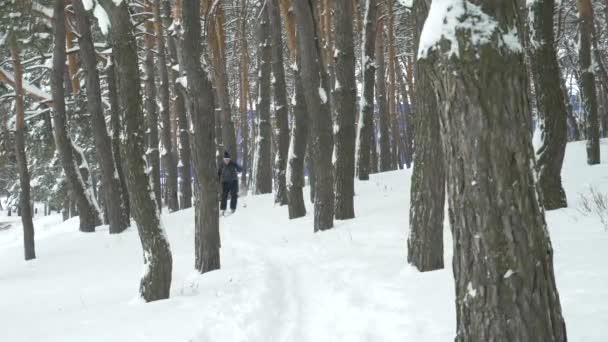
345,97
397,142
158,262
315,82
383,115
116,208
408,136
366,117
167,155
244,93
587,81
503,259
551,104
202,112
24,175
281,122
88,210
427,193
263,160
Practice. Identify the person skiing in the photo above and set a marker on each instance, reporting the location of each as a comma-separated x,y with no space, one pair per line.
228,177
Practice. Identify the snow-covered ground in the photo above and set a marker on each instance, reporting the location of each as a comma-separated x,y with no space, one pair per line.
280,281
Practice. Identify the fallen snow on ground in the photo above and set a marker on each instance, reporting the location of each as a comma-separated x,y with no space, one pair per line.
280,281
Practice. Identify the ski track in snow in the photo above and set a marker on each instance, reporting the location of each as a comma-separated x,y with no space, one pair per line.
280,281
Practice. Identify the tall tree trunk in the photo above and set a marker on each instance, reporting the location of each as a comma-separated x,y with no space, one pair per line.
383,115
244,93
366,116
373,161
551,104
116,123
315,82
427,194
202,112
503,259
280,103
152,153
345,96
397,142
88,210
263,160
407,106
167,155
24,175
587,81
158,262
116,208
179,110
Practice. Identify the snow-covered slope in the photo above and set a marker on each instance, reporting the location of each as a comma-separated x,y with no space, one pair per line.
280,281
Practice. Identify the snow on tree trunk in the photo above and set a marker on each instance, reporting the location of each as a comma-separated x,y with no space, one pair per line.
158,262
587,81
383,115
315,83
427,193
24,175
503,259
366,116
345,96
202,112
244,93
263,160
551,104
88,211
281,122
116,209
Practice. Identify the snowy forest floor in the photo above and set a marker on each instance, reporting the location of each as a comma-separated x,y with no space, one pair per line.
279,281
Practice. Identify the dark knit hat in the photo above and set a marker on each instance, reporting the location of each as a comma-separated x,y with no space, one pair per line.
226,155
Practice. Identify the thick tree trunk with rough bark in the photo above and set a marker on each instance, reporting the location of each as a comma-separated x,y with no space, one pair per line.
345,97
384,138
115,202
551,104
167,155
587,81
202,112
315,83
24,175
88,210
281,120
427,193
158,262
263,159
152,153
503,259
366,116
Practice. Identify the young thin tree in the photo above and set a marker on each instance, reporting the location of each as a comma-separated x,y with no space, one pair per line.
587,80
24,175
551,103
158,262
427,193
263,160
116,208
88,211
503,259
345,97
315,82
281,121
244,92
202,113
366,116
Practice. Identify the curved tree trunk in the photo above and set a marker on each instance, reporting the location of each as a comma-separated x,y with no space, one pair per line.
158,261
115,204
366,116
263,160
202,112
427,193
345,96
503,259
280,103
551,104
167,155
315,82
24,175
88,210
587,81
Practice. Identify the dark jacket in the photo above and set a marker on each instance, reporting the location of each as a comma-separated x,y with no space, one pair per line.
229,172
